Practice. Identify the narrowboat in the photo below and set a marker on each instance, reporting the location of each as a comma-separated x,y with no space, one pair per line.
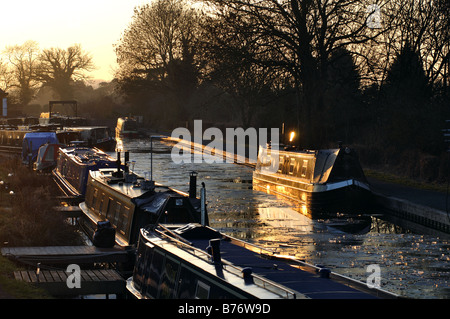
129,202
31,143
321,183
126,127
49,118
95,136
47,158
194,261
12,139
73,166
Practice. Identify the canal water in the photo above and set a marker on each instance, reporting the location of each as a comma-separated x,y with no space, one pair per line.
411,264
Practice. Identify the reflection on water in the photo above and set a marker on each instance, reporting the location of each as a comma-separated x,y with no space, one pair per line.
412,265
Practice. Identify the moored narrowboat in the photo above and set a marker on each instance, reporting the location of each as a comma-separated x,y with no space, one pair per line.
126,127
193,261
129,202
322,183
47,158
73,166
31,143
95,136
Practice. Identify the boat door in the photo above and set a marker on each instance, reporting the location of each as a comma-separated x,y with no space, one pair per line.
47,156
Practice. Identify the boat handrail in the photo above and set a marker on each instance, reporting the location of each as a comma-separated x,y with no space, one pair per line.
260,281
255,248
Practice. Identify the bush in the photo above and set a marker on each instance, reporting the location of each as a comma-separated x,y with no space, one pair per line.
27,215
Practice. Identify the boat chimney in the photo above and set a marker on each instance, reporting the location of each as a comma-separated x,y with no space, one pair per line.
215,251
203,216
118,161
127,160
193,185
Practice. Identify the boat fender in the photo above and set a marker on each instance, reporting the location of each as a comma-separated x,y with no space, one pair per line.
215,251
104,235
247,272
324,273
247,275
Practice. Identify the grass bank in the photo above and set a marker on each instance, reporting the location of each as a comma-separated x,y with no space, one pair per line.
28,218
13,289
405,181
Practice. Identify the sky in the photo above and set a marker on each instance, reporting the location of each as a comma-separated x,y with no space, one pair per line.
94,24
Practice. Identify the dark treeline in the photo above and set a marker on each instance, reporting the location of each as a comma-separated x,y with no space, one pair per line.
373,75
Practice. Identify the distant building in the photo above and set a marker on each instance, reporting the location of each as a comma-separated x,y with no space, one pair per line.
3,103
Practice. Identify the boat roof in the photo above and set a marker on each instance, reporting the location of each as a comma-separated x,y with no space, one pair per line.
40,135
298,277
230,274
86,128
87,155
131,186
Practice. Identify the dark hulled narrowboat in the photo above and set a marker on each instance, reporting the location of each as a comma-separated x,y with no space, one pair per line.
321,182
32,142
197,262
129,202
95,136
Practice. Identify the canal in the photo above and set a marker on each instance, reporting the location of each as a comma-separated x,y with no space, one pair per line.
412,264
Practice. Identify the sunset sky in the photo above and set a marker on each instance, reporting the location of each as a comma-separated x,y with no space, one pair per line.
95,24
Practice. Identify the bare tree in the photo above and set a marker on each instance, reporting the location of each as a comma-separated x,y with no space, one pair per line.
156,54
299,36
23,62
6,77
160,33
58,68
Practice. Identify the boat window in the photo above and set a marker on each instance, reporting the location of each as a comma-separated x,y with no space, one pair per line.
117,214
304,168
94,198
154,274
292,166
101,207
142,266
109,207
124,218
169,277
202,290
280,167
50,153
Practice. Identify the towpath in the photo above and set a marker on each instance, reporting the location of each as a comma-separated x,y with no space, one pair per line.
429,198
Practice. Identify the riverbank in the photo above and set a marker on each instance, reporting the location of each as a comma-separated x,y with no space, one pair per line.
387,178
27,218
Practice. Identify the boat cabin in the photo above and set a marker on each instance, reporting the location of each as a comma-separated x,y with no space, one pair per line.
129,202
193,261
170,266
325,181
